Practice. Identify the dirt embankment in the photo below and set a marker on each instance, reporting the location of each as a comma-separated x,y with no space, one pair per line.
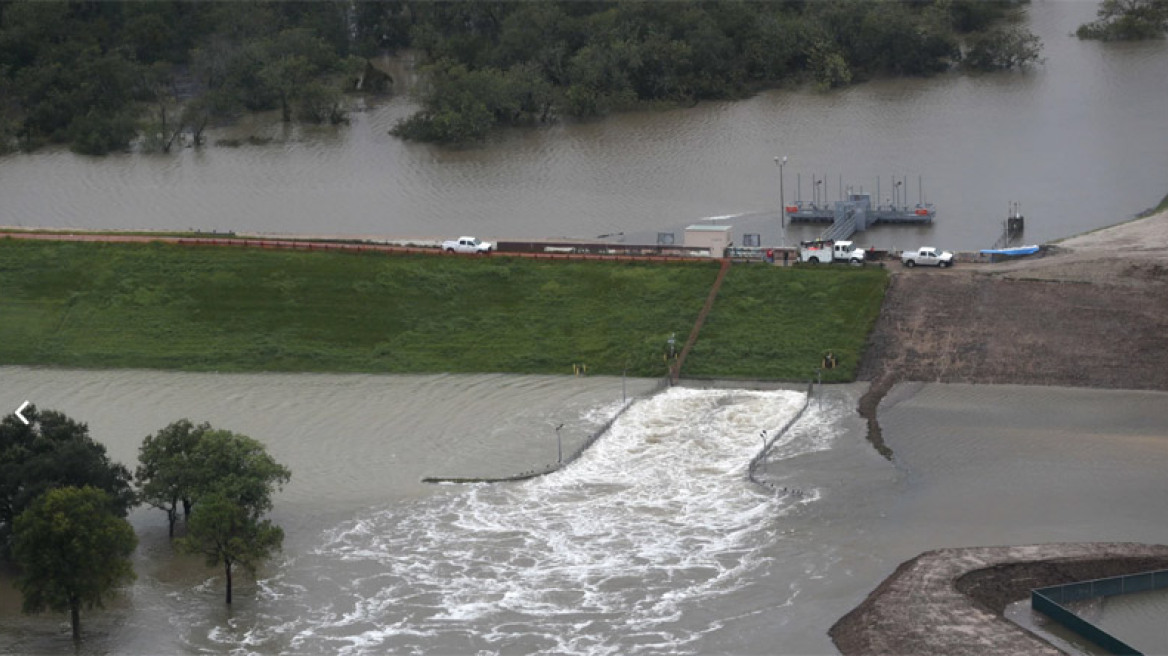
950,601
1091,312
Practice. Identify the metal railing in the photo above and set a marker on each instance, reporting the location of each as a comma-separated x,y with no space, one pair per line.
1050,600
769,440
549,468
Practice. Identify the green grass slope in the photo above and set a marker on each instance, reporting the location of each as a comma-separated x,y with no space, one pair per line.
228,309
776,323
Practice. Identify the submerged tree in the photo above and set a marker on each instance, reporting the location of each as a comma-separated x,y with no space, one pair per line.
165,476
228,534
1003,49
184,463
73,551
229,481
53,451
1127,20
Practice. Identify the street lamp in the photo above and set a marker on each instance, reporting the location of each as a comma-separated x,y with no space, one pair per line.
782,201
559,446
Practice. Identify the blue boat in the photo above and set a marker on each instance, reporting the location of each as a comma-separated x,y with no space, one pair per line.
1017,250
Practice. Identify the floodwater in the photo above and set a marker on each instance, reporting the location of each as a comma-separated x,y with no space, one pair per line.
1081,142
653,541
1137,619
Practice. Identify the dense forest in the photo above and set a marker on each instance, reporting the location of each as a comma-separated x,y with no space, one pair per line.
101,75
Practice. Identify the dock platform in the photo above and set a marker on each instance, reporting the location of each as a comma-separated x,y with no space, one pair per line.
855,214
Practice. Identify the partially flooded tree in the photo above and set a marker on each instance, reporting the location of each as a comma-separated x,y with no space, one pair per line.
164,476
164,126
232,481
73,551
228,534
1003,49
1127,20
53,451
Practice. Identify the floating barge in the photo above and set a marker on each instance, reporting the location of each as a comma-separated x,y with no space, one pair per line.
858,211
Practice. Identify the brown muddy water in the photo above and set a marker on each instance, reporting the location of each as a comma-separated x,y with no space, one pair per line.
1081,142
652,542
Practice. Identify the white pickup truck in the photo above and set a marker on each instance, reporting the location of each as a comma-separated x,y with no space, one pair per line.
827,251
927,256
467,245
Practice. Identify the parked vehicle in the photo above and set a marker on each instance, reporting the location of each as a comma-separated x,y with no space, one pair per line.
826,251
927,256
467,245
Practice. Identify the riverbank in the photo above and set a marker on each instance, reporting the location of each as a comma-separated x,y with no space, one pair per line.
192,308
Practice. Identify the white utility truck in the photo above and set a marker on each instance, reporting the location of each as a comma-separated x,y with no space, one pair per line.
826,251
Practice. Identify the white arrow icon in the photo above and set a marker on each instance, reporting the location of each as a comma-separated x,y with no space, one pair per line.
19,410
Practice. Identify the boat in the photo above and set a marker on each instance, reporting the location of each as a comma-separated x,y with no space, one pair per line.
1012,251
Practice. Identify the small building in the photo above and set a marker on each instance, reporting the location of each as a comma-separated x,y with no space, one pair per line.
714,237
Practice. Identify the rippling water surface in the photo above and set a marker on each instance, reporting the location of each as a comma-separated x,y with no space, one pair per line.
1081,142
652,542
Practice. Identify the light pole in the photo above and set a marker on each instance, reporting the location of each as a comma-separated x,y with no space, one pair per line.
782,201
559,446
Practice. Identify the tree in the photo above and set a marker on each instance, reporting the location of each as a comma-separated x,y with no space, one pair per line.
1127,20
1003,49
165,126
53,451
228,534
73,550
290,60
164,474
231,485
237,468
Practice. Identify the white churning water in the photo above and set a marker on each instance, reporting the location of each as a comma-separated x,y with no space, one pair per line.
604,557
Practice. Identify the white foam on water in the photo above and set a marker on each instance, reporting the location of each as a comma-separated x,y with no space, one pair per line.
612,555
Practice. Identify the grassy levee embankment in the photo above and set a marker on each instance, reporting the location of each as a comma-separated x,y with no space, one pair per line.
777,324
103,305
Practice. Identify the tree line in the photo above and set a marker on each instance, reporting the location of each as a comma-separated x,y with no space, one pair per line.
98,75
63,505
494,64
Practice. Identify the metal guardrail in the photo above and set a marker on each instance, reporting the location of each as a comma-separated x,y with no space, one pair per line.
752,468
664,383
1050,600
